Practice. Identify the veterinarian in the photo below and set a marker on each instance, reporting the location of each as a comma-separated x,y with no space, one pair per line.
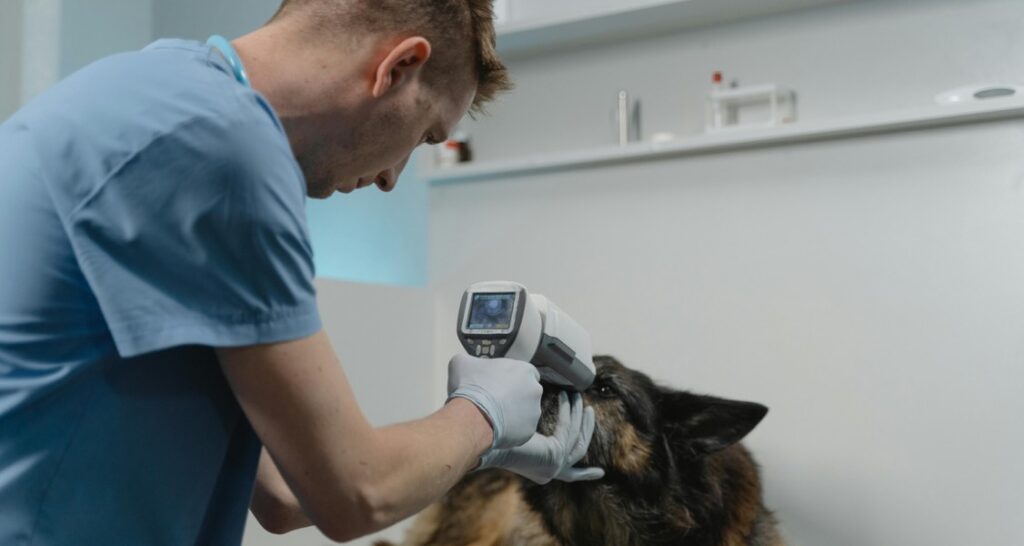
158,323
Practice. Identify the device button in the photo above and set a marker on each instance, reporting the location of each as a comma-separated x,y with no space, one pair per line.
479,349
492,350
502,341
486,342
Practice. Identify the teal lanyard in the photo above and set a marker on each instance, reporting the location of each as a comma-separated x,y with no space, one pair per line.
231,56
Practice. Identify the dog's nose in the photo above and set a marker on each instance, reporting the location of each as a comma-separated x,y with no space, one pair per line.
549,400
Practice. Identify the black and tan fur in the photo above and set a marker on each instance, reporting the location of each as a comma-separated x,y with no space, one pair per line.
675,475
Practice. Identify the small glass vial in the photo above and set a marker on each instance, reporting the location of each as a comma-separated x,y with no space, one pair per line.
715,109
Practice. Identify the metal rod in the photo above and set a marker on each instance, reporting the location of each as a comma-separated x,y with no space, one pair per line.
623,118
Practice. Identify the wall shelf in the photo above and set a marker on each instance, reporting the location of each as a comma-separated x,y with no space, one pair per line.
637,19
737,139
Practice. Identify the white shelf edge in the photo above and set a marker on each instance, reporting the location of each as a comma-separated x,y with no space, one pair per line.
735,139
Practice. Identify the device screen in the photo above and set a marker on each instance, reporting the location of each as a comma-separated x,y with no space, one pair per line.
491,311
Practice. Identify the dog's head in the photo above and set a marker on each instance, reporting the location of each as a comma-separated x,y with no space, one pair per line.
645,432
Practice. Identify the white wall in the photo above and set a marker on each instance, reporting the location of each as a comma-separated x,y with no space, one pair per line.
868,290
41,41
93,29
379,334
10,57
198,19
40,46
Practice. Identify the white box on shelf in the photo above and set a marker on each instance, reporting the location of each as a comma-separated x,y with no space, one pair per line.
747,107
502,15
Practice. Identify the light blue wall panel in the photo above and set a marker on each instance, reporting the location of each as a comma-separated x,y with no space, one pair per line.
371,236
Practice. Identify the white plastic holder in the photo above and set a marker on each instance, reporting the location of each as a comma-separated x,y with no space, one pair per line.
977,93
750,107
502,13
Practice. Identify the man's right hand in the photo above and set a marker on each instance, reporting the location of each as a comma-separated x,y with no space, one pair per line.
506,391
545,458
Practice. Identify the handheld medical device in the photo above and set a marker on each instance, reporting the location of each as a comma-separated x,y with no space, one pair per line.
500,319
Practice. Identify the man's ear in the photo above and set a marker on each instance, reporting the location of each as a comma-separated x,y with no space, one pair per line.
705,424
401,65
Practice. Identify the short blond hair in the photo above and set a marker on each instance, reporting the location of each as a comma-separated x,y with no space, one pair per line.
460,31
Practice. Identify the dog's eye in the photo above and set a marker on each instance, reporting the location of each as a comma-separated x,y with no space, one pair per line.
605,391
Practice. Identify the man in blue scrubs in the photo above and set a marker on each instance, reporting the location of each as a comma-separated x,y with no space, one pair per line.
158,322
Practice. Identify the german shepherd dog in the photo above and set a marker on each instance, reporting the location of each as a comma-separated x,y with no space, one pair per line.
675,475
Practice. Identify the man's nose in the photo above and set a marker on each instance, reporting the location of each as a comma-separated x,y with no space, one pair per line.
386,180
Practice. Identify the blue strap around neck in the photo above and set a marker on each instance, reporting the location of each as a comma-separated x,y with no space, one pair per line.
225,48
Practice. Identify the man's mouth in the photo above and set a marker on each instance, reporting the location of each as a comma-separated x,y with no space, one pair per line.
380,181
360,184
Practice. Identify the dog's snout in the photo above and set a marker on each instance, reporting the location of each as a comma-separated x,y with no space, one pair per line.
549,409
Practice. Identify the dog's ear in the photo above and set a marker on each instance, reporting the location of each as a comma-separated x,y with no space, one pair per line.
705,424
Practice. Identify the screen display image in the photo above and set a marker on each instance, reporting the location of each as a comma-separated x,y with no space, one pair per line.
491,311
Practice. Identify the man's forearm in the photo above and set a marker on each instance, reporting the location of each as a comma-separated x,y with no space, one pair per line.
415,463
350,478
273,503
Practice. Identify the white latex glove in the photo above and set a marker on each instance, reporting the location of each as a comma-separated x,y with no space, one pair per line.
506,391
544,458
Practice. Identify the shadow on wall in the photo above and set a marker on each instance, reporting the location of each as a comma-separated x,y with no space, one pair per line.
806,521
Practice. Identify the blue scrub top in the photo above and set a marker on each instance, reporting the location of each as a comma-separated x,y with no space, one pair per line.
150,210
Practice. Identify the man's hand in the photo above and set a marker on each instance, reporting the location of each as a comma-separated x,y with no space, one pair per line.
544,458
506,391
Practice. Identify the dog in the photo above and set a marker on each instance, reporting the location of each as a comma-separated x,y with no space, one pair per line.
675,473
